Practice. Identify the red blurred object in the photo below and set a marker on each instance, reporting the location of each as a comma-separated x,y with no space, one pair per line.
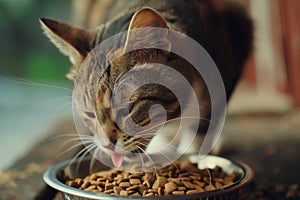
290,17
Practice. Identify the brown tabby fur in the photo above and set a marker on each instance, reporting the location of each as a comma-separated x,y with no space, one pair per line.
223,29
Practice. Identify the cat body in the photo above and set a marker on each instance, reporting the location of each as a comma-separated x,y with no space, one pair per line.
223,29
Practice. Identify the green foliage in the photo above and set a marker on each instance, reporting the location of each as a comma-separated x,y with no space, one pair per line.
25,52
42,66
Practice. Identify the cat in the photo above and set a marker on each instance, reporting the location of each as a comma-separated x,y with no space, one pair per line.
224,29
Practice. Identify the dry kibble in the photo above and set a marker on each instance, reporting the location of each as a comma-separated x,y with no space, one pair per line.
109,186
130,192
209,188
101,179
78,181
161,181
198,178
108,191
192,192
178,192
120,180
124,184
123,193
85,184
134,187
94,176
149,177
175,179
219,180
135,181
90,188
199,183
117,190
136,194
218,185
188,185
136,175
153,190
142,188
181,188
170,187
160,191
199,188
149,194
73,184
147,183
99,189
185,179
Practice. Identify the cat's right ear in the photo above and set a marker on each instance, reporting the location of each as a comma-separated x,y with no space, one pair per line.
70,40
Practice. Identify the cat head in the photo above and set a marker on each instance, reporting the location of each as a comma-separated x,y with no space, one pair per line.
98,115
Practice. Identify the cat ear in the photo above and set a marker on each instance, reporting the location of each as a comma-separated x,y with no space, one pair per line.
147,17
71,41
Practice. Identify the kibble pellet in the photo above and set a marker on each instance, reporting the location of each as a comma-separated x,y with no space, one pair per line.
175,179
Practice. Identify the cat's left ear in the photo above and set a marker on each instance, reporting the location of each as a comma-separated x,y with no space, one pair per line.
144,18
71,41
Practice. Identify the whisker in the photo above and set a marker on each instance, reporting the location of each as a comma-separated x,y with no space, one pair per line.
172,120
74,138
169,160
93,159
52,117
138,142
149,134
81,141
210,178
70,149
146,134
201,118
80,152
149,158
29,82
142,160
91,164
154,126
55,100
106,83
83,156
63,135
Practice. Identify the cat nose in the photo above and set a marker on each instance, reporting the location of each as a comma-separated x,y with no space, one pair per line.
107,142
110,147
113,137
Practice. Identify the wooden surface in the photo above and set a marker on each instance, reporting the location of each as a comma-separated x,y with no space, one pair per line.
268,143
23,181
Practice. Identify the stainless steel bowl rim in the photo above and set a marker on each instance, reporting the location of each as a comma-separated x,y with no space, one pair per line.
50,177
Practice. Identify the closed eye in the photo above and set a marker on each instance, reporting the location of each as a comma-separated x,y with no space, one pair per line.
123,112
90,114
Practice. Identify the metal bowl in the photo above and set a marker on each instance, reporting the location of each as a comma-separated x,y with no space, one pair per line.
55,176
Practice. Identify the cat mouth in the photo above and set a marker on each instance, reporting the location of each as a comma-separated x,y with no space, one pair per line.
117,159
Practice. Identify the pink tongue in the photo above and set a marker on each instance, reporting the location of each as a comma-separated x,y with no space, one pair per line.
117,159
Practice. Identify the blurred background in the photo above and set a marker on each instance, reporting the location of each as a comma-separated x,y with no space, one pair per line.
35,95
34,92
272,73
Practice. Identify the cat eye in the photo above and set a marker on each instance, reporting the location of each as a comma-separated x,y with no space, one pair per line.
120,114
90,114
